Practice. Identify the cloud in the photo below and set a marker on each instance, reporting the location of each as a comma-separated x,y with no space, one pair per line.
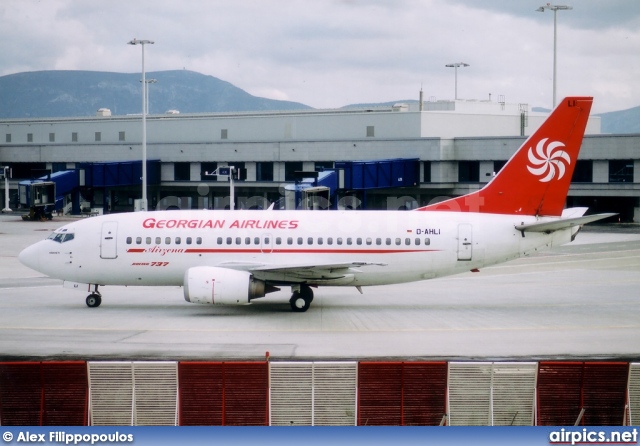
585,14
335,52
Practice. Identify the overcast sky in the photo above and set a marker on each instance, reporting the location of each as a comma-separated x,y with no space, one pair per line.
330,53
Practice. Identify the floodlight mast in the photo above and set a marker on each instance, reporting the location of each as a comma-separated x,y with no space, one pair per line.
555,9
144,124
455,67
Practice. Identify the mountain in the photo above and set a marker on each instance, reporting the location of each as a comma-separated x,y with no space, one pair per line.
623,121
41,94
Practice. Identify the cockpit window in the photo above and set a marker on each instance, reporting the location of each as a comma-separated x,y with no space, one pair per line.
61,237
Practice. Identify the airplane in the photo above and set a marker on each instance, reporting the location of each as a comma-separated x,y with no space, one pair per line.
233,257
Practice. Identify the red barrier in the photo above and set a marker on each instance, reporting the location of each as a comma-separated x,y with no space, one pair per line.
223,393
43,393
401,393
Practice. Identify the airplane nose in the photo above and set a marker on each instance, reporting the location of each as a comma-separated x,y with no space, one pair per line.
30,257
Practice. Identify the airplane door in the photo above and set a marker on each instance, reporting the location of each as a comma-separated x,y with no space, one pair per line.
465,246
266,244
108,240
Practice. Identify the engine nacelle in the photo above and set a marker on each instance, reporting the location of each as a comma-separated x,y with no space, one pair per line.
221,286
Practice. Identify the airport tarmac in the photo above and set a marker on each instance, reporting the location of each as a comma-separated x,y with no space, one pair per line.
580,301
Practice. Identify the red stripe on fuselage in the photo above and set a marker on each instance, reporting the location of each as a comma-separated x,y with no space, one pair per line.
291,251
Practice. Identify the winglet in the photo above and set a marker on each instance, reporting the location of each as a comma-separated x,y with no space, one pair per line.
536,180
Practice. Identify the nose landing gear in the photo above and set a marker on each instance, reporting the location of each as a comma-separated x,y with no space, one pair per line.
94,299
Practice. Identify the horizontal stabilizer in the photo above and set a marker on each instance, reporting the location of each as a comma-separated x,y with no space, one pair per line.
562,223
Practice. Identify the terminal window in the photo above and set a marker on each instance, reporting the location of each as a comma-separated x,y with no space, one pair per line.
290,167
182,171
469,171
74,136
98,136
427,171
8,138
583,172
621,171
52,137
121,136
207,170
264,171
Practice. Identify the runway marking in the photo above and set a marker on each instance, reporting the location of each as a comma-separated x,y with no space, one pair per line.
390,330
29,287
583,255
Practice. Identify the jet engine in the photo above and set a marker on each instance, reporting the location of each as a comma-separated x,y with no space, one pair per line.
222,286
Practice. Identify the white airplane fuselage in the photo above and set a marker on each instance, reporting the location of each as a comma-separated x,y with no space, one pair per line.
156,248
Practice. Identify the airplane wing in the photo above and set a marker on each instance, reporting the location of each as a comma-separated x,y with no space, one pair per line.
562,223
329,272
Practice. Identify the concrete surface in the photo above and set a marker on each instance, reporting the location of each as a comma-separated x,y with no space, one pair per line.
581,301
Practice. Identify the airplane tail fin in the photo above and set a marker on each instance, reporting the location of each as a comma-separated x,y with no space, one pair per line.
536,180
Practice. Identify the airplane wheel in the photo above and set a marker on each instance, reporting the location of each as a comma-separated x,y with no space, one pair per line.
298,303
93,300
307,293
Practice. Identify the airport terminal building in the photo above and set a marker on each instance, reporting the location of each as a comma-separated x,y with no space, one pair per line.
397,157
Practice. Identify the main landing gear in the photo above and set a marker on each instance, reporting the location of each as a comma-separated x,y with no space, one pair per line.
94,299
301,298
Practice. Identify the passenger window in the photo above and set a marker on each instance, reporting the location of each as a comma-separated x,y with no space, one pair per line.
349,242
417,241
398,241
378,241
256,240
359,241
199,240
129,240
319,240
238,241
267,241
369,240
189,240
290,241
219,240
427,241
167,240
339,240
247,240
178,240
299,240
310,241
158,240
330,241
388,241
148,240
229,240
138,240
278,241
407,241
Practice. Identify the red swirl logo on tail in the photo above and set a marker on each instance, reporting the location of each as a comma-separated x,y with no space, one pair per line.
549,161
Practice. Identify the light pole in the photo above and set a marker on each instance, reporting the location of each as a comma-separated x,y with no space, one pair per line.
455,67
144,124
555,9
149,81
